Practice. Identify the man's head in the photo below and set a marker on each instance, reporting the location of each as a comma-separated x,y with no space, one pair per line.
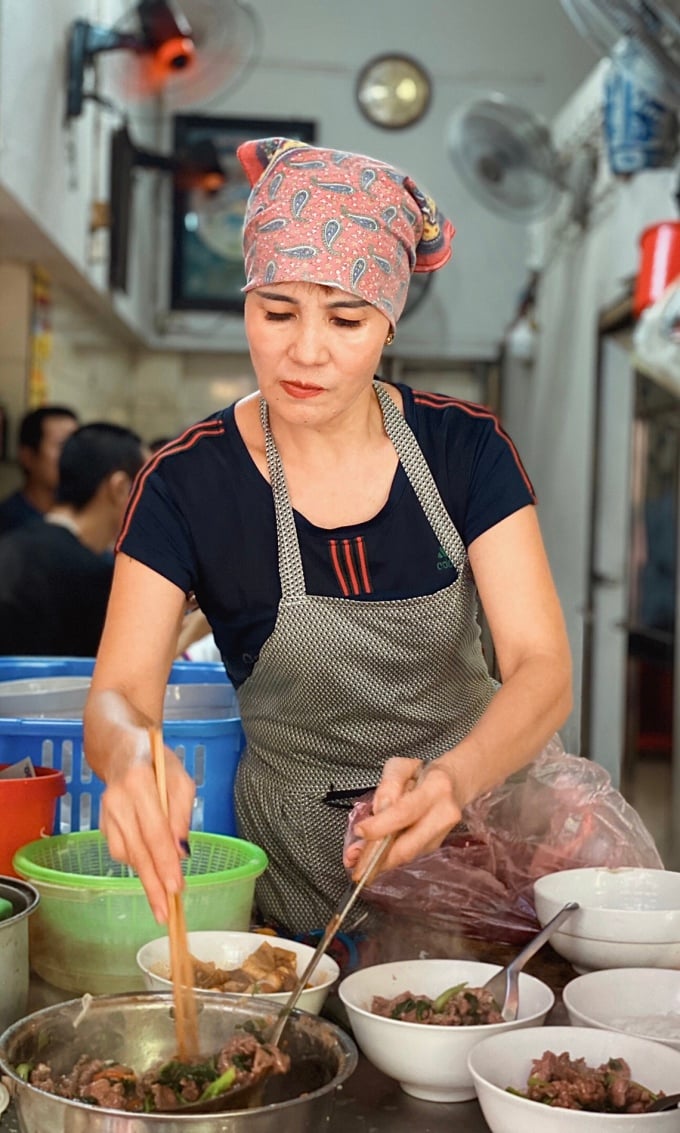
96,456
42,433
97,467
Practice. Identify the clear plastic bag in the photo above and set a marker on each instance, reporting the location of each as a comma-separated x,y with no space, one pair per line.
559,812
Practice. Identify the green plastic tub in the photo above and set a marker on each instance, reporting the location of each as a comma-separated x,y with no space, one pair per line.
93,914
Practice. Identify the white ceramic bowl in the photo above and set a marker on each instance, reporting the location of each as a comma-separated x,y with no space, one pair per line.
629,918
637,1001
505,1060
229,950
429,1061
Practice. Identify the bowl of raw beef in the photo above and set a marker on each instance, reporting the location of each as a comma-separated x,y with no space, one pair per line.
573,1080
417,1020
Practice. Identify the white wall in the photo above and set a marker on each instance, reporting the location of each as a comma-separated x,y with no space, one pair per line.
549,410
54,171
157,393
311,53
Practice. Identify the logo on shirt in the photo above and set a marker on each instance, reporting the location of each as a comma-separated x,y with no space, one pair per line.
443,560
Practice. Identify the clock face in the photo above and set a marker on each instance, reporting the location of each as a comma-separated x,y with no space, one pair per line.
393,91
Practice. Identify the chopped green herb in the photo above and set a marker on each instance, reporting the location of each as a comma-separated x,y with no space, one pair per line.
441,1001
174,1073
420,1006
243,1061
219,1086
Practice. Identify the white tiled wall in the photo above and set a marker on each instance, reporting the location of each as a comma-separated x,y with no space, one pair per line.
156,393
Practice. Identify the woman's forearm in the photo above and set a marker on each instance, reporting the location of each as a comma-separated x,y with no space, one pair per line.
114,732
525,712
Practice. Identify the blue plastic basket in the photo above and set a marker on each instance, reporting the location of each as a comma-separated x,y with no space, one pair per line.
209,748
182,672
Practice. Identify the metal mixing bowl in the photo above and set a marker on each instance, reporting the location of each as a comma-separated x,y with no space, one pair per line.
138,1029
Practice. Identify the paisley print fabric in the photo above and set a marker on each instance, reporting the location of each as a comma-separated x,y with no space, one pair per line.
340,219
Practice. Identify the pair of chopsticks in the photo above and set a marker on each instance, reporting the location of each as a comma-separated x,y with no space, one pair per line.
186,1016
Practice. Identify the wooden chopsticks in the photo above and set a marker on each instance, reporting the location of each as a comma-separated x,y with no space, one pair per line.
186,1016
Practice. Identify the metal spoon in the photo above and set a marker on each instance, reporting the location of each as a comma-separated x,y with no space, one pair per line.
671,1101
504,986
345,903
239,1097
243,1097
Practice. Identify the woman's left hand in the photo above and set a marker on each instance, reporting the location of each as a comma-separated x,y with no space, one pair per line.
420,814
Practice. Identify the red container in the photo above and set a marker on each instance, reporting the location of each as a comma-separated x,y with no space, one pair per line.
659,263
28,807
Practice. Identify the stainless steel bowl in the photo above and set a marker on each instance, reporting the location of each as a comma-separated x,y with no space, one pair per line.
14,964
138,1030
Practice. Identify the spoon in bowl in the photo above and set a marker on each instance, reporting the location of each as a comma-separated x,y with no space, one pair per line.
504,985
250,1093
670,1101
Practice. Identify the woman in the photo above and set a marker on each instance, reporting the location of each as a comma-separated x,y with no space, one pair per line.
336,531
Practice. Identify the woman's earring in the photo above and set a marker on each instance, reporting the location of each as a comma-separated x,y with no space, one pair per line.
390,338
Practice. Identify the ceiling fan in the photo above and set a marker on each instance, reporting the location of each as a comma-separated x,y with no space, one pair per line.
506,158
186,51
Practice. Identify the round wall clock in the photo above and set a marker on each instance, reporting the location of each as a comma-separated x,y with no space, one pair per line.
393,91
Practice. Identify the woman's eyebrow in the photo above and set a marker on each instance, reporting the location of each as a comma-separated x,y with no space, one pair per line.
279,297
347,303
276,295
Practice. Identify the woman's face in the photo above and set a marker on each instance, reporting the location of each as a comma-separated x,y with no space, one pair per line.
315,349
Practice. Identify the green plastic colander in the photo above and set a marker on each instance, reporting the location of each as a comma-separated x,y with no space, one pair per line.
93,914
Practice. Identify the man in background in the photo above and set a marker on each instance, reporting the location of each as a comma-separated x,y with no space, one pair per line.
55,576
42,433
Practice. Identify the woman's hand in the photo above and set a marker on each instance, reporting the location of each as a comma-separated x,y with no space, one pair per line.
420,814
133,822
126,699
532,651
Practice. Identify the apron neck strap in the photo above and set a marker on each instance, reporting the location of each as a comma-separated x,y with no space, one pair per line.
415,466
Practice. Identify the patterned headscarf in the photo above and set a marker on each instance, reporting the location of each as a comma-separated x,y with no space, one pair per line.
341,219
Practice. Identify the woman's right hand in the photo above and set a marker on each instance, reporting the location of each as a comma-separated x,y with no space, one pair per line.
125,701
134,824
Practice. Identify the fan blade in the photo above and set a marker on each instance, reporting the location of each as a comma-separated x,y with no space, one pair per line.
225,36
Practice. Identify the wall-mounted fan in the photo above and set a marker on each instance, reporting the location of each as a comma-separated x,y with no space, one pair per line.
187,50
506,158
654,24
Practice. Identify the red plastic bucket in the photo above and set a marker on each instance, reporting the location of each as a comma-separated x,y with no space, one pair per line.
28,807
659,263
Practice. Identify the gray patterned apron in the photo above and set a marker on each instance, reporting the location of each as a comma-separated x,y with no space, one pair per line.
339,687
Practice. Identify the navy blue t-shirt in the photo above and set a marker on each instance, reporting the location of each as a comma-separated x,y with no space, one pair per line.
202,515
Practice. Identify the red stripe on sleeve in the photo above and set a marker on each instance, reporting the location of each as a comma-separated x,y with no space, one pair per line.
442,401
186,441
